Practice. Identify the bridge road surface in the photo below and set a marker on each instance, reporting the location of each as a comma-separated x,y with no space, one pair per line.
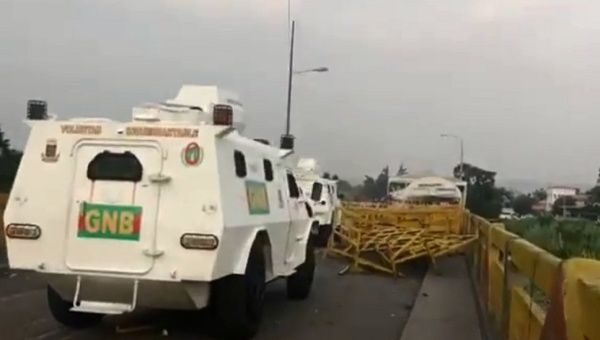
352,306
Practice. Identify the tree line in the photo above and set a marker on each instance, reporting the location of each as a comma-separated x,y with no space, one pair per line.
371,188
9,163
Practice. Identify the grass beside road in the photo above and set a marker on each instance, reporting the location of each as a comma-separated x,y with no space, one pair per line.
564,238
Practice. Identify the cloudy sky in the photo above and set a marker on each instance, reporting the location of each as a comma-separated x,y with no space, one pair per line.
518,79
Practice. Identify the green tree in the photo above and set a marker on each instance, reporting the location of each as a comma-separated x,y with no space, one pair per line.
539,194
483,198
4,144
345,188
594,195
368,189
523,204
507,196
9,163
402,170
375,189
381,183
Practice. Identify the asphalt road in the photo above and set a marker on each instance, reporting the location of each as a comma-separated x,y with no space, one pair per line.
352,306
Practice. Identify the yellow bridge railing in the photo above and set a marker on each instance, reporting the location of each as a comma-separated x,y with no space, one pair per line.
527,293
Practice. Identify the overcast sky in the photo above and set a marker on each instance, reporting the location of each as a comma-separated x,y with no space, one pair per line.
518,79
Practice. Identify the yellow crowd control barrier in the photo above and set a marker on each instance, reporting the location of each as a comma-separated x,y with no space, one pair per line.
384,237
527,293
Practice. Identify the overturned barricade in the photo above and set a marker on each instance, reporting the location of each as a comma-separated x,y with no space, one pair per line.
384,237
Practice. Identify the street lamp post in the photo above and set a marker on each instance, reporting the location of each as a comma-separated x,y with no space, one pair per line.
287,138
462,151
290,75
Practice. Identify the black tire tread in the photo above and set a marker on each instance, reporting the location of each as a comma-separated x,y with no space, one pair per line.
229,301
299,284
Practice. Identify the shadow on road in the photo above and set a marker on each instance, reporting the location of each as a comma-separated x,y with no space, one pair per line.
351,306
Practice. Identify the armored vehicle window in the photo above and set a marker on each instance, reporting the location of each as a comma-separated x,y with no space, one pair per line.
110,166
317,190
240,163
294,191
268,167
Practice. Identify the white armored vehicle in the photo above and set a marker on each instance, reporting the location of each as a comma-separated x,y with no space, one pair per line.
418,189
322,193
174,209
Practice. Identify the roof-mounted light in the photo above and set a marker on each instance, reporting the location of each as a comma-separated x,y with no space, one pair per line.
37,110
287,142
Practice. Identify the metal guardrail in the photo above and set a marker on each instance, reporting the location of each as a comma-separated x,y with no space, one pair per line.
527,293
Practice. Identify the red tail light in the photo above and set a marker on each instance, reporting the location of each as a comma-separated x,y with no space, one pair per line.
222,114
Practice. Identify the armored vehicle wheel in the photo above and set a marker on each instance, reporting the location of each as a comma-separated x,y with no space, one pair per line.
59,309
237,300
299,283
321,239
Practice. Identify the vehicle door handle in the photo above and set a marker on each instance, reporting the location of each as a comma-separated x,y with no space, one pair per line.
153,253
159,178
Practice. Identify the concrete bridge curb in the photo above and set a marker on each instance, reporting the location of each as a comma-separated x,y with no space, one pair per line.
445,307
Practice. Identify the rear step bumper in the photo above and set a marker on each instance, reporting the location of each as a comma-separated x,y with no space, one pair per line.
110,295
99,307
102,307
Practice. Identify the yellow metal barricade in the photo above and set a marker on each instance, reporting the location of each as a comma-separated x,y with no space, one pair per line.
384,237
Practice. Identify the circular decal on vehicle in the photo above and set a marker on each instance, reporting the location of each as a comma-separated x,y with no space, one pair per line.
192,154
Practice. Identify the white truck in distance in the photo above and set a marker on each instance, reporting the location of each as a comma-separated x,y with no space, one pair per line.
173,210
322,193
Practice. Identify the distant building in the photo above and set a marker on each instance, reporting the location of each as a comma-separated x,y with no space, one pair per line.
581,200
555,192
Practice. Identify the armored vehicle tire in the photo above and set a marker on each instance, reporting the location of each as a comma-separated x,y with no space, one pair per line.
300,283
59,309
237,300
322,237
